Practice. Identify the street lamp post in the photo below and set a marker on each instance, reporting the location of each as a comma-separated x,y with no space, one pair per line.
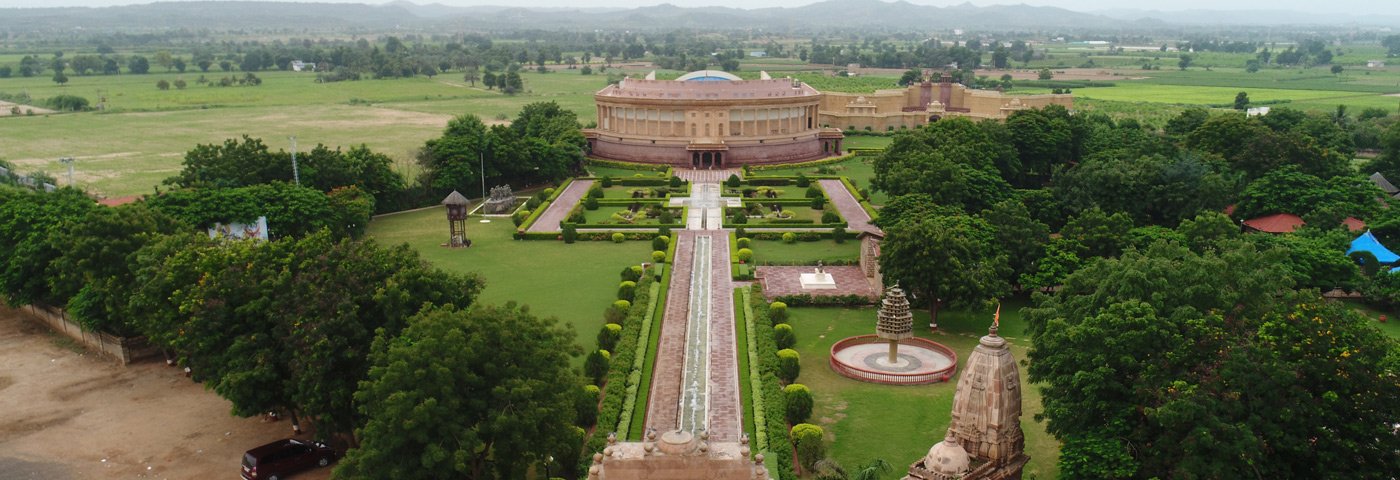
486,144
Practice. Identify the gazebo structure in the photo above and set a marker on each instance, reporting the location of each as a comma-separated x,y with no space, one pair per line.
893,356
456,220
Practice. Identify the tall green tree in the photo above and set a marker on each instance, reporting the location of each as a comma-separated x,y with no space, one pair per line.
28,223
480,393
94,273
945,259
1021,237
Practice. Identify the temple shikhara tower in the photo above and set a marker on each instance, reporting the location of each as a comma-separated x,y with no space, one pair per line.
984,439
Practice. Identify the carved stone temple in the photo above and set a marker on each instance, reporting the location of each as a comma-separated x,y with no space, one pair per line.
984,440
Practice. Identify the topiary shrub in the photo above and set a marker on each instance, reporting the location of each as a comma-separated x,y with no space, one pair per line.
739,218
814,191
732,181
596,366
608,336
658,256
548,192
740,233
596,191
830,217
666,217
519,216
590,203
839,234
789,237
576,216
745,255
799,403
618,237
807,440
803,181
660,242
626,290
617,312
789,365
819,203
743,242
569,233
777,311
586,406
632,273
675,181
607,181
533,203
784,337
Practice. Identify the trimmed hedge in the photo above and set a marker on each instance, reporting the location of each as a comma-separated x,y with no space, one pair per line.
778,443
621,368
806,300
657,292
813,163
741,326
636,376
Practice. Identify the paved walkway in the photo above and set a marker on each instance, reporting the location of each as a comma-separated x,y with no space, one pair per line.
780,281
706,206
856,217
559,210
697,370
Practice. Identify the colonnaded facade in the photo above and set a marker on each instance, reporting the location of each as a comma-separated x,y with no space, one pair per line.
712,119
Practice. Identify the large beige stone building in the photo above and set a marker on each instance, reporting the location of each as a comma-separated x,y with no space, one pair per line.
711,119
924,102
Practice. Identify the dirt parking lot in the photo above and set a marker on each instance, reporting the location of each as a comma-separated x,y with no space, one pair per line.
69,414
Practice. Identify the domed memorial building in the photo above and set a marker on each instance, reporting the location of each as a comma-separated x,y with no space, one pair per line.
710,119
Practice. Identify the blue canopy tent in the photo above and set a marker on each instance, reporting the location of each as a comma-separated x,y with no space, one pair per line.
1368,243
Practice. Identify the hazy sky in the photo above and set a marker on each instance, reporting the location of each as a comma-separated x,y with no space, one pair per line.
1360,7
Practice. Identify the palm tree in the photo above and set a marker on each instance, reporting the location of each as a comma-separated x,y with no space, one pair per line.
829,469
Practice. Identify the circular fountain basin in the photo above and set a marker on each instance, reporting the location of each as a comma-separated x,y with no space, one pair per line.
920,361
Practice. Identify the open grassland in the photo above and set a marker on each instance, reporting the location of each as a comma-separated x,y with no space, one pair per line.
574,283
909,419
143,136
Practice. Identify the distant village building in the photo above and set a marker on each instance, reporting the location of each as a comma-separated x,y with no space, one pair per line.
1256,111
1375,64
758,54
298,65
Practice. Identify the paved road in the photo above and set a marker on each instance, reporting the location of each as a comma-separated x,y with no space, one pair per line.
559,210
856,217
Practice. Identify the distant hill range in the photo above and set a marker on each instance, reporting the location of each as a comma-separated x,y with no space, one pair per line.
402,14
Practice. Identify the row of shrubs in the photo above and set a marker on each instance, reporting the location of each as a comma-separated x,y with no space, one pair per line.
776,369
838,234
806,300
621,370
547,197
814,163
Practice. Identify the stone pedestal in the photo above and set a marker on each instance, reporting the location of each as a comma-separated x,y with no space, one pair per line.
818,281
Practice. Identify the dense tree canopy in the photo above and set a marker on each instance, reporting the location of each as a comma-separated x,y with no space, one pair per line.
1172,364
249,162
943,258
479,394
543,143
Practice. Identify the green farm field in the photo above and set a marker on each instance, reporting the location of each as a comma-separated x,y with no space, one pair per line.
909,419
143,136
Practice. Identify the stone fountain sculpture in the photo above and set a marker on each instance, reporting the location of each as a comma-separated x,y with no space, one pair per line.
894,322
501,200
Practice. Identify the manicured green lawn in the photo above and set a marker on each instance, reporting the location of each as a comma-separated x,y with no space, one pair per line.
858,169
797,213
898,424
866,141
808,253
574,283
614,172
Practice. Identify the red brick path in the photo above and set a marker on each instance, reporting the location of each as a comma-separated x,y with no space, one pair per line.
778,281
559,210
856,217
